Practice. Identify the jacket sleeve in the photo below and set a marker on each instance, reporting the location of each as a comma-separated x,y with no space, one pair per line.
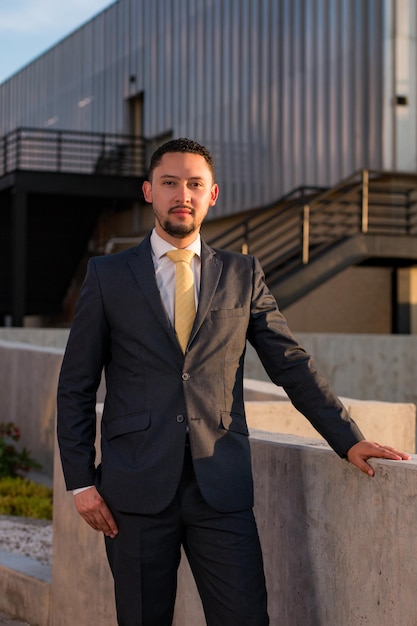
84,358
288,365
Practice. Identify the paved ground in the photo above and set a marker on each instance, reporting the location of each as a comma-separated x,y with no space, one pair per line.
6,620
25,538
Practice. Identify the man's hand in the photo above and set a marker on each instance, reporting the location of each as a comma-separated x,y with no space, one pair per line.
364,450
92,508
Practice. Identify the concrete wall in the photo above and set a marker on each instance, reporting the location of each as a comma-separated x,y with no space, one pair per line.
25,588
28,380
368,367
337,545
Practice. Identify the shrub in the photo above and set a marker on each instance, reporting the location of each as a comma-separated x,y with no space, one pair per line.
25,498
12,462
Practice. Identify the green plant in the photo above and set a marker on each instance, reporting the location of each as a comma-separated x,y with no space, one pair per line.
13,461
25,498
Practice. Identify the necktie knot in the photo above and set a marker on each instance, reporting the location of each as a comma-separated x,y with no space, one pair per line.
184,310
180,255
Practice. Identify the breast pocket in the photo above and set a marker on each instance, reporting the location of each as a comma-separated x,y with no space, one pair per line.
223,314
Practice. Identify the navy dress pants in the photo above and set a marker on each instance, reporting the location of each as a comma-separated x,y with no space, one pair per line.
223,551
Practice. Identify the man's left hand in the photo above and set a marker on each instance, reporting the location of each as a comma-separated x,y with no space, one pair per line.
364,450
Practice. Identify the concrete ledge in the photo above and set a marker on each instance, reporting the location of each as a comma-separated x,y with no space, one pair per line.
25,590
269,408
337,544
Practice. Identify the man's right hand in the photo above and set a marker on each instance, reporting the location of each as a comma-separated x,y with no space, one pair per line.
92,508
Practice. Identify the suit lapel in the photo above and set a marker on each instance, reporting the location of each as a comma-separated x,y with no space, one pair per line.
211,269
142,266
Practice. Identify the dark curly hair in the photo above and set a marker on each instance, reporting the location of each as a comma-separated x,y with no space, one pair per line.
180,145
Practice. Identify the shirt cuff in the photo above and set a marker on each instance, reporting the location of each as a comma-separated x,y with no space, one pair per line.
75,491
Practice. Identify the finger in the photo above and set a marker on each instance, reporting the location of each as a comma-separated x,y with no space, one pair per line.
363,466
399,453
101,521
108,524
387,452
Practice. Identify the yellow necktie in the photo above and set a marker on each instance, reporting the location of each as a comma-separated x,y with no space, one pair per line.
184,312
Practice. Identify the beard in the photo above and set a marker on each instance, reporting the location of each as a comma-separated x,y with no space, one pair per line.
177,230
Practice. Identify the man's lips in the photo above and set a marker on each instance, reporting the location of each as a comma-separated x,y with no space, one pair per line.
181,210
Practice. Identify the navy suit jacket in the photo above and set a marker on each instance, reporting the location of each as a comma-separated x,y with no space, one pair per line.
153,391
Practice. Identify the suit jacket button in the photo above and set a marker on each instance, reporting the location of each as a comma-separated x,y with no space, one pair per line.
180,419
185,376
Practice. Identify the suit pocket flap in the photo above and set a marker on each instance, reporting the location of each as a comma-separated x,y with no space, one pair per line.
127,424
222,314
234,422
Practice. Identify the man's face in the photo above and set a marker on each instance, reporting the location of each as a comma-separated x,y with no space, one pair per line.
181,192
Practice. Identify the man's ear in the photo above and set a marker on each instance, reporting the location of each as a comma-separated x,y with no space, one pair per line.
214,194
147,190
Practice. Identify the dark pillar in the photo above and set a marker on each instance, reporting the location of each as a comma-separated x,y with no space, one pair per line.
19,256
405,301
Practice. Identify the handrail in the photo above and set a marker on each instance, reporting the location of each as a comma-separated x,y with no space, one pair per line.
233,238
71,151
308,221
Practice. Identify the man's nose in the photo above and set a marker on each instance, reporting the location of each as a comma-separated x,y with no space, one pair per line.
183,193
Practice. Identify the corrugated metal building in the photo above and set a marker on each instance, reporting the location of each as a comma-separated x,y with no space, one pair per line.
285,93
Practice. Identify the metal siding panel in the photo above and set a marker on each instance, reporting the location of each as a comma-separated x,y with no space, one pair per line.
376,84
284,92
310,103
98,75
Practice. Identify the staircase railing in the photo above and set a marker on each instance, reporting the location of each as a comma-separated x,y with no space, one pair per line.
71,152
308,221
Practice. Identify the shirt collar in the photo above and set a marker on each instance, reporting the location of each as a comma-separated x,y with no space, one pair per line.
160,247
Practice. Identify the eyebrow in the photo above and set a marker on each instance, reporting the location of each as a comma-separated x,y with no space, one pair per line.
179,177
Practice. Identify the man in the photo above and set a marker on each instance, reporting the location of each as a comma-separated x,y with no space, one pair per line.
176,466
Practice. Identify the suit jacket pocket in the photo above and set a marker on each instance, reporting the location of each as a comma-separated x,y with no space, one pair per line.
126,424
222,314
234,422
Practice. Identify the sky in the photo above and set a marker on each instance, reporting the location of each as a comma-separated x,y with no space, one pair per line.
30,27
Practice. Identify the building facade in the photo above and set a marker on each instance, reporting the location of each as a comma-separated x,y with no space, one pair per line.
285,93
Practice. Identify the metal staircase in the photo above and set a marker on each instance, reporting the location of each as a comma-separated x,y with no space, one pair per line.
312,234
